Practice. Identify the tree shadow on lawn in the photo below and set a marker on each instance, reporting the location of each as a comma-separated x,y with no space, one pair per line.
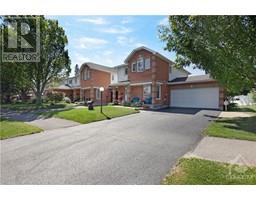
241,123
50,114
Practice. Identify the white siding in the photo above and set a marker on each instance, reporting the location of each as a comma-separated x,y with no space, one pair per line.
176,73
113,77
121,74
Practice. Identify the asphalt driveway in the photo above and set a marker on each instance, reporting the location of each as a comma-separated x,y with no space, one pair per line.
135,149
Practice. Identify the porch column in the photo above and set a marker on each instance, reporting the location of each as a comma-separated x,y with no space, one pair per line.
128,93
92,93
74,94
113,94
153,87
81,94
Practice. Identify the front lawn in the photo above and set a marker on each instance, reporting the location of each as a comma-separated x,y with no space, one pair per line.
193,171
9,129
84,116
243,128
251,108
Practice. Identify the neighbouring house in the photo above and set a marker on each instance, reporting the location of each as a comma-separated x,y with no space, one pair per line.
146,76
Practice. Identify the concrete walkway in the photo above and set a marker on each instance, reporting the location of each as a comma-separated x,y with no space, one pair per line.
53,123
226,150
235,114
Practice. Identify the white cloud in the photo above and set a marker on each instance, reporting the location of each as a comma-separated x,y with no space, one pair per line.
90,42
126,20
117,30
107,53
123,40
80,59
95,20
138,44
164,21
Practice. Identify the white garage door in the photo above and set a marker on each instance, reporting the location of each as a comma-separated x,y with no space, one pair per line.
195,98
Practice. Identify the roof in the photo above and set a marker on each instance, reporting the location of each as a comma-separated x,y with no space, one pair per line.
192,79
122,65
153,52
63,87
97,67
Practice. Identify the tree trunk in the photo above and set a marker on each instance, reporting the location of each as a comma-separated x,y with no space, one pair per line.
23,96
38,98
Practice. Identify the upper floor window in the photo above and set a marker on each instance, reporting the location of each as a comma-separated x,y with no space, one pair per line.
147,63
87,74
134,67
140,65
126,71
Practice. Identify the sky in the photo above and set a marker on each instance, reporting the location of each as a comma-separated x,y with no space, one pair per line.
108,40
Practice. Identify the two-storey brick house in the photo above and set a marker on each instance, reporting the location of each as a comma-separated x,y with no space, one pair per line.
148,77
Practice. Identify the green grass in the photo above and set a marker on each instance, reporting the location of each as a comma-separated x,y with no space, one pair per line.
84,116
193,171
236,108
243,128
9,129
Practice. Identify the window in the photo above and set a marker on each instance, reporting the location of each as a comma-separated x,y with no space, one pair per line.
140,65
126,71
158,91
97,93
134,66
113,77
87,74
146,91
147,63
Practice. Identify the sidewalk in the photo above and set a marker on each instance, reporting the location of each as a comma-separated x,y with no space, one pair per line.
226,150
53,123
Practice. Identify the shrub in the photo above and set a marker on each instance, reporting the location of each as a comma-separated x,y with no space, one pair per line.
253,94
55,96
67,99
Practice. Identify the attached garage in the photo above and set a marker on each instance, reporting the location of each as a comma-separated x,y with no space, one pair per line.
196,92
195,98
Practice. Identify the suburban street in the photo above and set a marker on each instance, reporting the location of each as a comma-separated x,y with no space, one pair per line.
135,149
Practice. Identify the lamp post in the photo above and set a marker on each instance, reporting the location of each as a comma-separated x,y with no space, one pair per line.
101,92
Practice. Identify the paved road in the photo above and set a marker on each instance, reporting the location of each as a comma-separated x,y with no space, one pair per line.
135,149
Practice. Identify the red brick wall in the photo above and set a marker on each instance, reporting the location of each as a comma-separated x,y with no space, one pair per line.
137,91
98,79
135,77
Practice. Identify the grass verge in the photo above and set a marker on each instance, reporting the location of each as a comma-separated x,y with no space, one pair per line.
9,129
84,116
243,128
234,107
193,171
